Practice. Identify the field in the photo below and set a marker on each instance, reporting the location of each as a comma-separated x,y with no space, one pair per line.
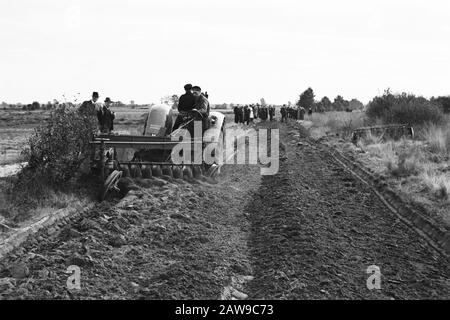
17,125
335,123
419,168
308,232
303,233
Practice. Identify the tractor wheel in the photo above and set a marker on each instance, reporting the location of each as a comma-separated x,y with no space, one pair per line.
187,173
136,171
177,173
156,171
146,172
110,183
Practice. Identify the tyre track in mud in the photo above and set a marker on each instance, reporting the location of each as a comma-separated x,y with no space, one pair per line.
315,229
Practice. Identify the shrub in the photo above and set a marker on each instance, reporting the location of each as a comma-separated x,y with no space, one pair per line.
56,149
408,163
404,108
443,102
438,138
438,183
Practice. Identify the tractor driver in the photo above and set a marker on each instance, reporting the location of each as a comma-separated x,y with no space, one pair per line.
185,103
201,102
202,106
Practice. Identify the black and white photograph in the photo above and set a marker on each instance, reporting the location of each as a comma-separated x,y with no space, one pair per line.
224,155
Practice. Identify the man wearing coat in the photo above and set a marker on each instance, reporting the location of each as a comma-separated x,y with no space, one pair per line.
201,105
90,107
106,117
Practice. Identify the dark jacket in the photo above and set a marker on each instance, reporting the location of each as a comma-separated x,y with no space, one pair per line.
105,120
87,107
186,102
202,105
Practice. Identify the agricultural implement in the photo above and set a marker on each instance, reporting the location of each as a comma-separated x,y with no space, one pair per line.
150,154
384,132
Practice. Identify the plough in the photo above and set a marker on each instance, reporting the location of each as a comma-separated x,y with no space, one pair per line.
149,155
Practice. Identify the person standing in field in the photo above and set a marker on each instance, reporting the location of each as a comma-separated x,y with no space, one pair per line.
106,117
283,113
271,112
236,115
255,111
90,107
263,113
246,115
240,114
301,113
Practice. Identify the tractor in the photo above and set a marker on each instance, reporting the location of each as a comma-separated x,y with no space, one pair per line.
149,155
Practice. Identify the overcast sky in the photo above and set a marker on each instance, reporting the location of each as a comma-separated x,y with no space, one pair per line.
237,50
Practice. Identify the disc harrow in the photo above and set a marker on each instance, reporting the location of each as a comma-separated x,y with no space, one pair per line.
148,170
148,156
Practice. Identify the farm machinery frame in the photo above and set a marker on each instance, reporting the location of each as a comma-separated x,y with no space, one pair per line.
150,154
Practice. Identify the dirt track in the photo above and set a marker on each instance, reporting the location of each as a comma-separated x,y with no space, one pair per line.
308,232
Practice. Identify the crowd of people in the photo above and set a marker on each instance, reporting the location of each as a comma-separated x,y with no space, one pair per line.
248,113
295,113
194,100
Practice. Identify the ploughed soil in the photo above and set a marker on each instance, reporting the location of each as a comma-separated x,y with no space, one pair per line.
164,240
308,232
315,230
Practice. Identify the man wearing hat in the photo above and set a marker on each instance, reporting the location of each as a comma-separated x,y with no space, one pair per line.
201,105
185,103
187,100
106,117
90,107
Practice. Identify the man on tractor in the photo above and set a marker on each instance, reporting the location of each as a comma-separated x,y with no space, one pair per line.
185,104
201,106
192,106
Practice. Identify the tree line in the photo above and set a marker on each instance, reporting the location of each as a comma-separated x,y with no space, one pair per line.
307,101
